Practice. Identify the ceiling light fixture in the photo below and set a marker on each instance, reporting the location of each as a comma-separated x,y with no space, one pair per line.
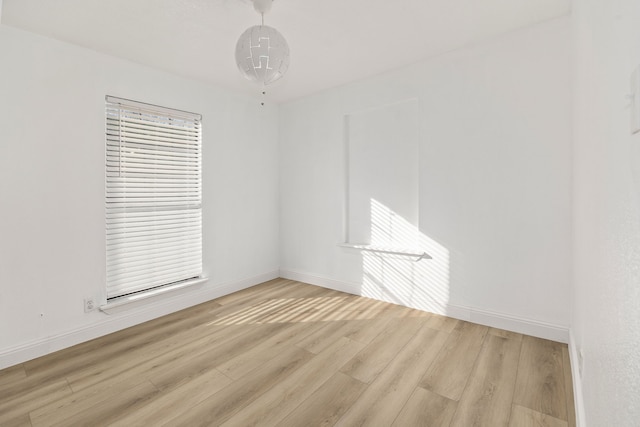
262,53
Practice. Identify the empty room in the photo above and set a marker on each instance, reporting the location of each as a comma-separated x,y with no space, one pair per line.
305,213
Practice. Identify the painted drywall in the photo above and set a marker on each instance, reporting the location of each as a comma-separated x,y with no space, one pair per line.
494,182
606,294
52,244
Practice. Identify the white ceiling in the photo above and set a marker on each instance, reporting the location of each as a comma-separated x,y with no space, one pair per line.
332,42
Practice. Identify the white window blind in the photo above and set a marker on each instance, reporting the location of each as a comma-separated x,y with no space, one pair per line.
153,196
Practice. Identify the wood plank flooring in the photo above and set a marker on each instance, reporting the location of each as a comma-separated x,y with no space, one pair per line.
286,354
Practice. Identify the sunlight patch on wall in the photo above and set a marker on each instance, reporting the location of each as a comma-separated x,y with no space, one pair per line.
382,202
402,280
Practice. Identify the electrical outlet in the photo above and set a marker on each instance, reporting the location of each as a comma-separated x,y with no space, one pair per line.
89,305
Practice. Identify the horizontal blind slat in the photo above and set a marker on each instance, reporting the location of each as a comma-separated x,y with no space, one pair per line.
153,232
154,138
150,173
135,250
151,129
150,268
169,146
186,182
144,261
143,205
113,127
151,152
138,224
113,217
151,164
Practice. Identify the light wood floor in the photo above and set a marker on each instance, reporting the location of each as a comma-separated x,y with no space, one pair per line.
289,354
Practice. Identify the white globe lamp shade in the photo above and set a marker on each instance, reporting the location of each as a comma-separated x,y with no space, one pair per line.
262,54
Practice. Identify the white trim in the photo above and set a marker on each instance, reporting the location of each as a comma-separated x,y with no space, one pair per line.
578,398
109,324
350,288
129,302
518,324
388,251
509,322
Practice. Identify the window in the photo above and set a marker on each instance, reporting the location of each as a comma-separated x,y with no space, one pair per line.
153,196
382,203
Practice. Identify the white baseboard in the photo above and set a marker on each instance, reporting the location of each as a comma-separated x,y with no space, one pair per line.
471,314
521,325
578,398
112,323
350,288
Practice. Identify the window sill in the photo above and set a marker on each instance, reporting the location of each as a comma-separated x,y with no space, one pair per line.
124,303
420,255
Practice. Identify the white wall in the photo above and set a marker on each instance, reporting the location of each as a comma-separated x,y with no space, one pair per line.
606,294
495,184
52,244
